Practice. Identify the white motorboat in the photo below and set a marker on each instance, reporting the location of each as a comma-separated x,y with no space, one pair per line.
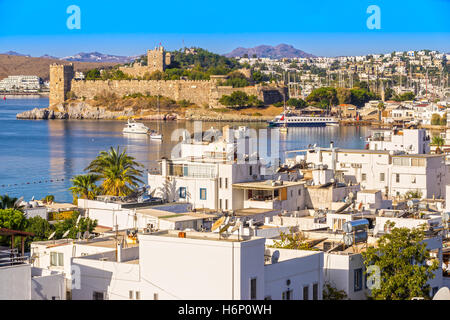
135,127
155,136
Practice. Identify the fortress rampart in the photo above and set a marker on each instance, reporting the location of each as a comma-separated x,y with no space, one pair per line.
200,92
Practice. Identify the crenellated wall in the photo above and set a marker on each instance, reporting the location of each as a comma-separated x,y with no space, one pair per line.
197,92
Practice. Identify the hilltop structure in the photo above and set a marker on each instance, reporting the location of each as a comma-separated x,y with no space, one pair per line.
200,92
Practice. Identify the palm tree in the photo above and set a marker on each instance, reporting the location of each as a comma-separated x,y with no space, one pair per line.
438,142
84,186
7,202
118,170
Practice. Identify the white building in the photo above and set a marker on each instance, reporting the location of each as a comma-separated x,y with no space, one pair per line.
201,266
413,141
394,173
21,83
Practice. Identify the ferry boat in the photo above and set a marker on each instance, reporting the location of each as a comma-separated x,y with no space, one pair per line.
135,127
292,120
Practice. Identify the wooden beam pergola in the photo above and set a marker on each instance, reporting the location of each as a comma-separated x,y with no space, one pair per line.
13,233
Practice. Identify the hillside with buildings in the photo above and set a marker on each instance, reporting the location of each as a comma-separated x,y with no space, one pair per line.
25,65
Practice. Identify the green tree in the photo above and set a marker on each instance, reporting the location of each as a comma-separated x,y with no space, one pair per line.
402,258
435,119
297,103
93,74
7,202
344,95
438,142
331,293
292,240
323,97
443,121
85,187
12,219
48,199
85,224
118,171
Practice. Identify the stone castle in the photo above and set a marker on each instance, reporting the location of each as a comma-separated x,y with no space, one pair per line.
200,92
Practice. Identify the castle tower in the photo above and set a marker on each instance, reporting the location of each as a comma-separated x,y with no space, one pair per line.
60,80
158,59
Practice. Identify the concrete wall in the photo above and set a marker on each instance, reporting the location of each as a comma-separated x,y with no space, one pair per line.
47,286
15,282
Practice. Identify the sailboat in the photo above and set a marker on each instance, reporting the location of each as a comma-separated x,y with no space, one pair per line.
157,135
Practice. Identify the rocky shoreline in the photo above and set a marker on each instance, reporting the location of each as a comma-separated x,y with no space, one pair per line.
83,111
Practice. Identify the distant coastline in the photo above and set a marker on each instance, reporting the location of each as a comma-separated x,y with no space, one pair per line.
25,95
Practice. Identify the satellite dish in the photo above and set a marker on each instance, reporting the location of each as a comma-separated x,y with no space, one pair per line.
224,228
442,294
52,235
18,202
237,225
218,223
78,220
275,256
66,233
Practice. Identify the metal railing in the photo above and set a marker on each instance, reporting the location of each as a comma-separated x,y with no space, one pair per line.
11,257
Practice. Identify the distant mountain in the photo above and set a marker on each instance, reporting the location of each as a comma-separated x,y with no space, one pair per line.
98,57
46,56
264,51
13,53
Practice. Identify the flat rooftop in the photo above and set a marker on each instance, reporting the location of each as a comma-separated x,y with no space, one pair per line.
210,236
266,185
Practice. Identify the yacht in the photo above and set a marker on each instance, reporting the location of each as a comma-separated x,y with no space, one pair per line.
292,120
135,127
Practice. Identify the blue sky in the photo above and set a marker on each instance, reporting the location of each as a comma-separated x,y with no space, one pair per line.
324,28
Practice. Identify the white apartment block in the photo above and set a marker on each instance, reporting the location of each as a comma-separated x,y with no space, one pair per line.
21,83
394,173
412,141
201,266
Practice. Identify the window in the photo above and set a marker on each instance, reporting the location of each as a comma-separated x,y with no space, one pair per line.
401,161
306,293
253,289
183,192
56,259
202,193
98,296
315,291
397,177
357,279
226,183
155,296
268,298
363,177
413,179
299,192
220,203
131,294
287,295
382,177
226,204
138,295
250,170
220,183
